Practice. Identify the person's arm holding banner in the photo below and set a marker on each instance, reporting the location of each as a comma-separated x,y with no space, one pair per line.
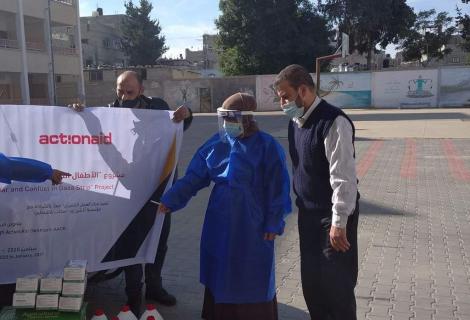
28,170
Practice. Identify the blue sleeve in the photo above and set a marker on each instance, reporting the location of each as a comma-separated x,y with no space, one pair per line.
277,186
196,177
23,169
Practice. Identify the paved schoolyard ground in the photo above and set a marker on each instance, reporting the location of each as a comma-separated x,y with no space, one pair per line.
414,230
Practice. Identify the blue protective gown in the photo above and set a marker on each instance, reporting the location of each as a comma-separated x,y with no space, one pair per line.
23,169
250,197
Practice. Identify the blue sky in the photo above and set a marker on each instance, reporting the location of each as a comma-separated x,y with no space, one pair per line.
184,22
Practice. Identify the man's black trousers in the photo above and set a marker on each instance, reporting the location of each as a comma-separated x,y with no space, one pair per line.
328,277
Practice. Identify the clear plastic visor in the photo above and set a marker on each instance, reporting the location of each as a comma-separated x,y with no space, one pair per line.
230,117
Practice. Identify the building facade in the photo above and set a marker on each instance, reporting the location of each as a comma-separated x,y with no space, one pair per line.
41,63
102,40
207,59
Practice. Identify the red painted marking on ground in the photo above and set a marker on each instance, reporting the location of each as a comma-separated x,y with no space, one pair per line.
368,159
408,164
456,164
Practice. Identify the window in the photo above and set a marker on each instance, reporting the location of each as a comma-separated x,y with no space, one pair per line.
96,75
58,79
117,44
455,60
84,41
3,34
106,43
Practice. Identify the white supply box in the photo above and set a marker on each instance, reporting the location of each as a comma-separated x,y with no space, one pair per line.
51,284
27,284
25,300
75,270
47,302
73,288
70,304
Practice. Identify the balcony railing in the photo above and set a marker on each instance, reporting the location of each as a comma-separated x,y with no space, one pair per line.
8,43
35,46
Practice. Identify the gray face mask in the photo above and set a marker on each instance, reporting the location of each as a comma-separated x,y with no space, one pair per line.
129,103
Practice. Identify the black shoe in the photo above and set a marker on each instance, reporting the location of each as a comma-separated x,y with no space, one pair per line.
161,296
135,304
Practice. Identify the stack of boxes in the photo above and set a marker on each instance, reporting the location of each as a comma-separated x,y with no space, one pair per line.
55,292
73,287
25,292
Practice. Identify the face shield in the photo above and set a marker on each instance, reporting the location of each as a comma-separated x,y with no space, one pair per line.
231,123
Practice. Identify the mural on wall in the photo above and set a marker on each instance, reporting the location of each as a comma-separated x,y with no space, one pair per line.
346,90
340,89
455,87
419,88
405,89
184,92
266,98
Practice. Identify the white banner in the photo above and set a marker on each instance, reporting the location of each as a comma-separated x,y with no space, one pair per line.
118,159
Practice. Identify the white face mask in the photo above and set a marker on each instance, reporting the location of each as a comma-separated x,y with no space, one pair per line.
233,129
292,109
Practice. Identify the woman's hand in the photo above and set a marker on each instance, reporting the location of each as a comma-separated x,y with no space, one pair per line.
163,209
270,236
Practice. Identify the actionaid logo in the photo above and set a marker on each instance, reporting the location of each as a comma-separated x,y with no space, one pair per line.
62,138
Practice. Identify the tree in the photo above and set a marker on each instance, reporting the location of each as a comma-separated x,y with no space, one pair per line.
262,37
463,25
370,22
142,41
428,37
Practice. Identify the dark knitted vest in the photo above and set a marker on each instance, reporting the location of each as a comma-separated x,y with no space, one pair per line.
311,171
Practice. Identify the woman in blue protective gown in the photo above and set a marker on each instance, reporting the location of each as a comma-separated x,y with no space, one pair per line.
28,170
246,210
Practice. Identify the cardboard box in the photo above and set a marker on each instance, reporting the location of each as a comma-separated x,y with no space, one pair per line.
75,270
73,288
70,304
24,300
51,285
47,301
27,284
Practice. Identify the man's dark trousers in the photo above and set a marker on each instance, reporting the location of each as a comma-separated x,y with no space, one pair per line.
328,276
153,271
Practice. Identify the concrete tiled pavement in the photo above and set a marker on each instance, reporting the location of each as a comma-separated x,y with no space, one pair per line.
414,235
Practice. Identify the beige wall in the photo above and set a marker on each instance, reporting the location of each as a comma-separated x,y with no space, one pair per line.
10,60
66,64
63,13
38,62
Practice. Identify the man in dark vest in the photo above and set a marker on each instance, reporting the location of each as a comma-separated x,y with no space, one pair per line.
321,146
129,91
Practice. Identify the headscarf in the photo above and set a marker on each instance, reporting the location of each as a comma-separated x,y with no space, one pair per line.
243,102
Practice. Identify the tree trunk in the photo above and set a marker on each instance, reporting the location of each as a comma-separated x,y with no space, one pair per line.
369,59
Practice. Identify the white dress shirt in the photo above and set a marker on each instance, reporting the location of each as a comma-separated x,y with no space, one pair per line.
339,151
